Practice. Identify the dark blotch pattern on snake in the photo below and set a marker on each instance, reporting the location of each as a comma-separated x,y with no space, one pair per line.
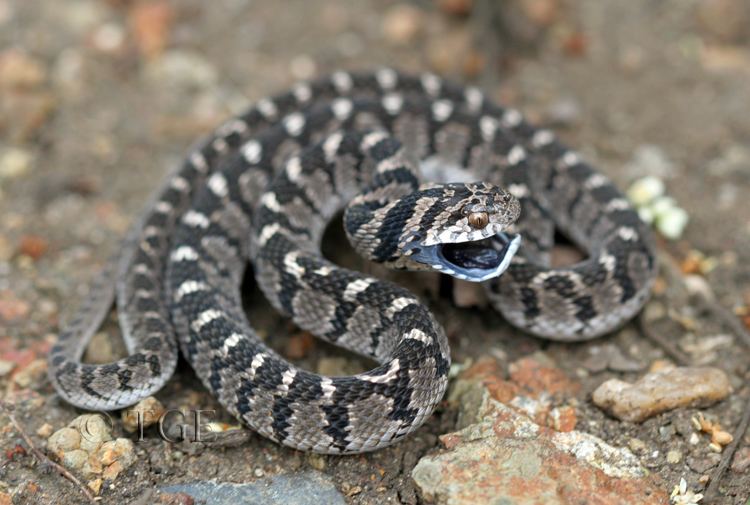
402,155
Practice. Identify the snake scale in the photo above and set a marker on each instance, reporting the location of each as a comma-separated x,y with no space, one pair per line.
401,154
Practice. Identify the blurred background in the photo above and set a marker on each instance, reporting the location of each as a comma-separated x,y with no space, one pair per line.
100,98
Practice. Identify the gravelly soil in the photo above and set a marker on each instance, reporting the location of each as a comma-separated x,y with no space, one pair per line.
107,119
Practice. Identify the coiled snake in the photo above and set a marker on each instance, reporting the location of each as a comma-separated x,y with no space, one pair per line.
263,187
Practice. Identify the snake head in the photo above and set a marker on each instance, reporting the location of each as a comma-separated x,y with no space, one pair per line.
464,231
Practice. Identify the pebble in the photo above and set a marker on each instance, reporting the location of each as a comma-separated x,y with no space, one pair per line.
20,71
295,488
741,460
402,23
182,69
724,20
660,391
564,113
143,414
674,457
32,374
6,367
95,486
15,163
45,430
87,446
150,24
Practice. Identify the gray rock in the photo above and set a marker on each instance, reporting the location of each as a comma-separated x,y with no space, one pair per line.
302,488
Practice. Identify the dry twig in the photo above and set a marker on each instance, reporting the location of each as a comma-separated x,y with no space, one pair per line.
712,492
7,409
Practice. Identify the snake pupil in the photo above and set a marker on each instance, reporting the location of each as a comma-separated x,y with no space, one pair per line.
479,219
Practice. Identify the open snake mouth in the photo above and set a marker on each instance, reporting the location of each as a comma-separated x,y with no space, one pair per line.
476,260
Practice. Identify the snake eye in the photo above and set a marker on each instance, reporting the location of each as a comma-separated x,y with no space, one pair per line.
478,220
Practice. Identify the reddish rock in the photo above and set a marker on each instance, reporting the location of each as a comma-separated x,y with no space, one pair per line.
487,371
536,375
563,419
507,458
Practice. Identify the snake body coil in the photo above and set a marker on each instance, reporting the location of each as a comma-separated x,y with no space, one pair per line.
264,186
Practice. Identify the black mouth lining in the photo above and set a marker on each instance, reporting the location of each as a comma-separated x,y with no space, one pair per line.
485,254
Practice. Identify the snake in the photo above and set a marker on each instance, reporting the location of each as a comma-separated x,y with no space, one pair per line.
430,175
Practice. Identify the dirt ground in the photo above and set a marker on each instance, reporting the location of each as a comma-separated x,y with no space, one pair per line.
100,98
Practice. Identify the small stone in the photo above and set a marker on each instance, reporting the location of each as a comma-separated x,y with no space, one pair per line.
121,449
302,67
725,20
143,414
661,391
12,308
721,437
715,447
5,499
674,457
402,23
636,445
563,418
258,472
650,161
18,70
6,367
741,460
33,246
182,69
95,486
112,471
14,163
694,439
317,461
94,431
31,374
150,23
45,430
64,439
75,459
564,112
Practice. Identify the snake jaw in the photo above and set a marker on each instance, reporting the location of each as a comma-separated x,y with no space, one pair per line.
473,260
